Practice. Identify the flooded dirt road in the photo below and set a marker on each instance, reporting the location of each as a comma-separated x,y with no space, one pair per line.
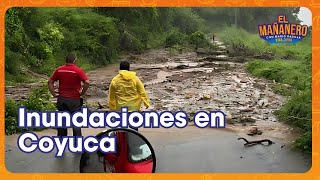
192,82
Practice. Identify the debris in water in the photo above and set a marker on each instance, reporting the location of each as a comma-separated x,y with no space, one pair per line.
259,86
248,119
205,97
243,80
253,131
247,110
182,66
229,120
189,95
250,143
100,106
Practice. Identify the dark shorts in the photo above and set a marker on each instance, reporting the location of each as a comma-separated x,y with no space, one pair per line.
70,105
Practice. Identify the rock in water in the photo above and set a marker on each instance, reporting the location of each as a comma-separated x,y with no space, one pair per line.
243,80
248,119
205,97
229,120
253,131
182,66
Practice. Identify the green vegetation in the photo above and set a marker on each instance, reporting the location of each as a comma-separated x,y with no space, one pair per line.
290,67
244,43
247,18
38,100
175,38
38,39
297,110
198,39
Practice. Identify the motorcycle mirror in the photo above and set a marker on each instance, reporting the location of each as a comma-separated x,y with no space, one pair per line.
134,154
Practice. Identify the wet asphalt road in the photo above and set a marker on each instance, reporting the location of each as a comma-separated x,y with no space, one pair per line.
184,150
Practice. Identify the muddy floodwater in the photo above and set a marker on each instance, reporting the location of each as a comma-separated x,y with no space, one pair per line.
190,82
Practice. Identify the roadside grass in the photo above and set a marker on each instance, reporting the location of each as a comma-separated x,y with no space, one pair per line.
291,68
38,100
239,39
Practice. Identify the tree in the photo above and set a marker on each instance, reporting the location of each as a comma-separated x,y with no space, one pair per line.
248,18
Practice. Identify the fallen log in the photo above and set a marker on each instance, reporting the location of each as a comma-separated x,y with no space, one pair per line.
205,52
217,58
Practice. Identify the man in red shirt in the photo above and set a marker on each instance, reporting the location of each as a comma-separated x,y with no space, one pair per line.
69,96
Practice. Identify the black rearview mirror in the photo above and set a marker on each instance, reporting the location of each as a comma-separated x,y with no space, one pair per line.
134,154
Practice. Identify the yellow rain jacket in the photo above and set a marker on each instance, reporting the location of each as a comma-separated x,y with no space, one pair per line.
126,89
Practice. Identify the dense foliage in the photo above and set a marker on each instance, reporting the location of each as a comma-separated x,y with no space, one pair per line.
246,18
39,38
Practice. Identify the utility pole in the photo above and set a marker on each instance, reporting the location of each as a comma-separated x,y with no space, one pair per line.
236,17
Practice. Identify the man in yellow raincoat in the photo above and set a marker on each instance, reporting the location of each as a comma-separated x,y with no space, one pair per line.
127,90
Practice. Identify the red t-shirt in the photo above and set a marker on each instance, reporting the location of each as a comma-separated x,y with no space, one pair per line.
70,77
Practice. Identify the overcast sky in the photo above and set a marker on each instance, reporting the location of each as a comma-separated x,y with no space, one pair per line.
305,16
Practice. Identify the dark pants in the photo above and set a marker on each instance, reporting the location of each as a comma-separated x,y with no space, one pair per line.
71,106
